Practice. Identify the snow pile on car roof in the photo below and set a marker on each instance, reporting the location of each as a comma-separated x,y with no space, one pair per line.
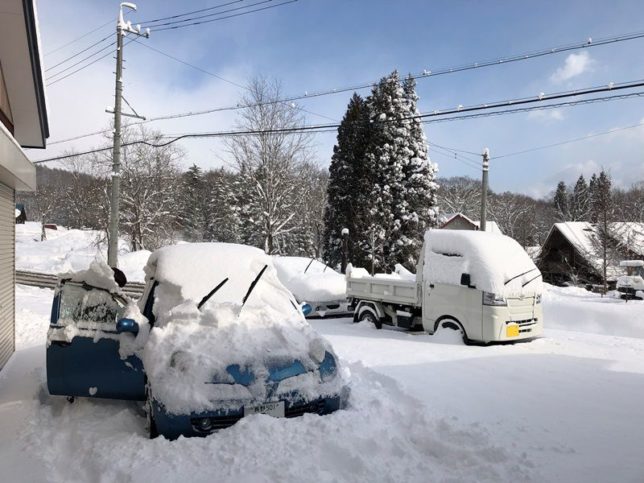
496,263
310,280
190,350
99,275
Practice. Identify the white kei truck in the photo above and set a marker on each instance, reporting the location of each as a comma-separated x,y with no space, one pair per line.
482,284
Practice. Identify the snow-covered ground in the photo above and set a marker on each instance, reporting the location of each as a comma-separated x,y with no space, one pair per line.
67,250
567,407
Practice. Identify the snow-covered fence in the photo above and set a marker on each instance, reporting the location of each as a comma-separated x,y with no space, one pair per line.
47,280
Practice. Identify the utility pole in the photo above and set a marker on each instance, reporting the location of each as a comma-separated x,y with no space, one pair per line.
484,182
122,28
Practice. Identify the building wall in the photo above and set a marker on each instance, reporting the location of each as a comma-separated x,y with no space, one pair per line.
7,272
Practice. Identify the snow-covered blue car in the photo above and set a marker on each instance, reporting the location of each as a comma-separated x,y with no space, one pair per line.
215,337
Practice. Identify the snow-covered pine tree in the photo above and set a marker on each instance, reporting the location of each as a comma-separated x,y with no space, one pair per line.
560,201
349,184
579,200
220,214
192,206
403,196
417,209
387,155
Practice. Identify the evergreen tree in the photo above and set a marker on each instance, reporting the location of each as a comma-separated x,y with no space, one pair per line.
592,193
403,195
348,185
221,218
579,200
417,208
561,201
191,213
602,212
387,155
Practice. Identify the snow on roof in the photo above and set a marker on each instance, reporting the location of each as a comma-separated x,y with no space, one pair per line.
490,226
310,280
582,235
496,263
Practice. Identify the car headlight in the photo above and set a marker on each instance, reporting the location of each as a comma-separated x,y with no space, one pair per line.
328,367
490,298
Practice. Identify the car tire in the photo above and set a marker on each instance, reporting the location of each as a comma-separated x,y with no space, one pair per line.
368,316
452,324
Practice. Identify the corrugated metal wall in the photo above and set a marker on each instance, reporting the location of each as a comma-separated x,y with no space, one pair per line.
7,272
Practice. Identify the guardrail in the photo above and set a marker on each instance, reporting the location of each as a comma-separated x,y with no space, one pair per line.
48,280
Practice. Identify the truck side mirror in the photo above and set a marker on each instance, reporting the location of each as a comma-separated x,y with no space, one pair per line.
465,279
127,325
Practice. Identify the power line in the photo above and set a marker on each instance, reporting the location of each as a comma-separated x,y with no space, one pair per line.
78,53
433,114
83,68
79,38
204,71
82,60
574,140
424,74
477,65
183,21
476,168
147,22
294,130
174,27
323,128
534,108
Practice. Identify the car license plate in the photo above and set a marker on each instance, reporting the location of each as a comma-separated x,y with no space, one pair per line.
275,409
512,330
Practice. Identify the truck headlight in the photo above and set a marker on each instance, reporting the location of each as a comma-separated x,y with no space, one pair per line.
490,298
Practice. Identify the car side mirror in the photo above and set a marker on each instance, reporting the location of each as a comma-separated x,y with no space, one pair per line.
306,309
466,279
127,325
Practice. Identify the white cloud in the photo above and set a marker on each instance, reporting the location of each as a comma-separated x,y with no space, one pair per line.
575,64
547,115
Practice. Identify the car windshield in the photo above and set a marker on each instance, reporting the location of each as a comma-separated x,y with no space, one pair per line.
85,303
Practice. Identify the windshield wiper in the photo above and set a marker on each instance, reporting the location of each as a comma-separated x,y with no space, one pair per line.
531,280
212,292
252,285
520,275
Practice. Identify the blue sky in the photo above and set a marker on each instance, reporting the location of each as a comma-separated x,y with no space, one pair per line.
322,44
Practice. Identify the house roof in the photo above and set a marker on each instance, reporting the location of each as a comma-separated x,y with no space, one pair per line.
22,71
582,236
490,226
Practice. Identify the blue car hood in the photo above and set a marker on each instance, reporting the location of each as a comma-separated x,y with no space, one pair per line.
276,373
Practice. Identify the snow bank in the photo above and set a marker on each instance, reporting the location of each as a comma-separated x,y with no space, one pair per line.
189,350
496,263
573,308
69,250
318,284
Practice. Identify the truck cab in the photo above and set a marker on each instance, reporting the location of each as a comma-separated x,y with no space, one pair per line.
483,285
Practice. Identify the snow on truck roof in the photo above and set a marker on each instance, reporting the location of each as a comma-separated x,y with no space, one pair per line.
197,268
496,263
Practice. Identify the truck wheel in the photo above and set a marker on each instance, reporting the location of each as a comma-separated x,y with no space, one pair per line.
369,317
451,324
